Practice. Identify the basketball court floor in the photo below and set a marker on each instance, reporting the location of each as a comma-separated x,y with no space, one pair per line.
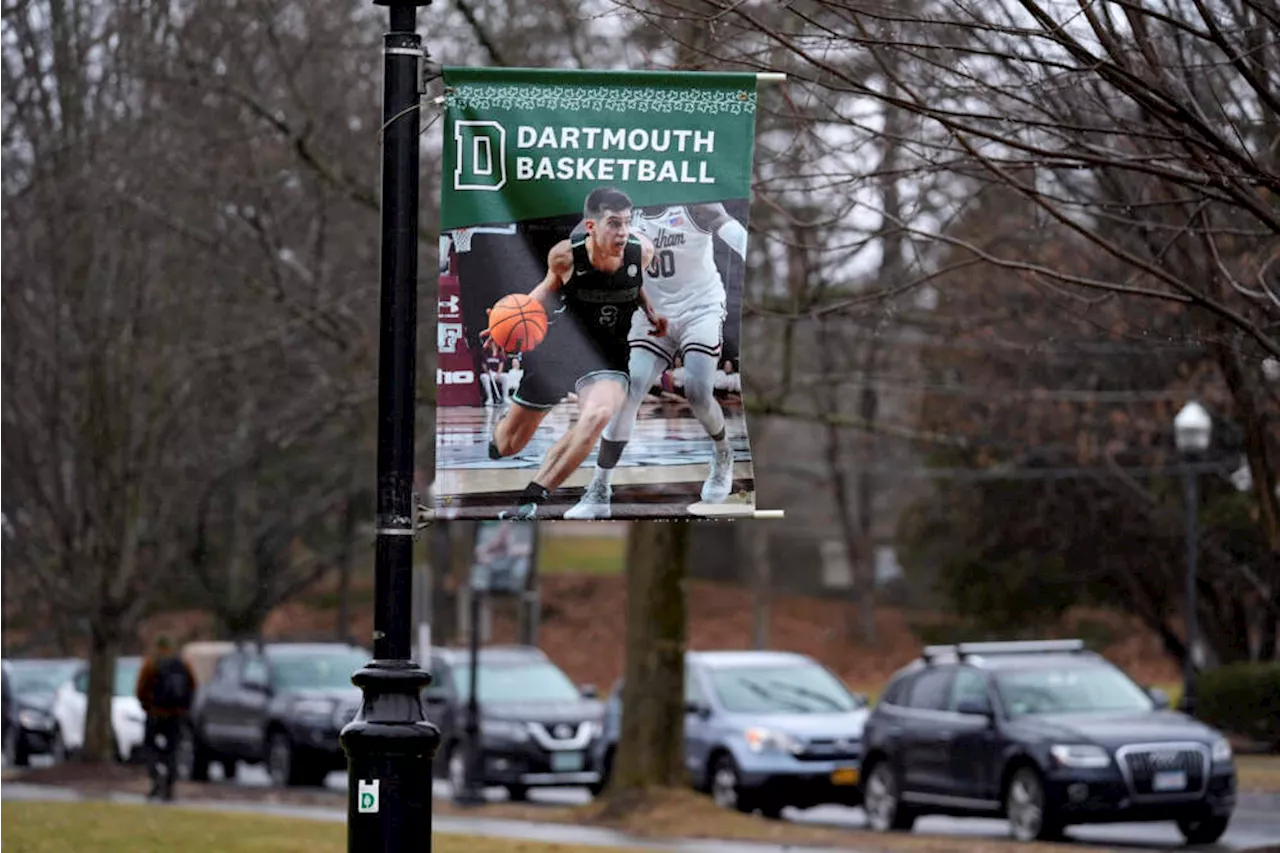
660,474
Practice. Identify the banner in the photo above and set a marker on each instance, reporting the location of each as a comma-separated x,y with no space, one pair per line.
503,557
592,256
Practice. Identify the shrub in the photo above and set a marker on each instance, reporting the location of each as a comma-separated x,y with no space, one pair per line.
1243,699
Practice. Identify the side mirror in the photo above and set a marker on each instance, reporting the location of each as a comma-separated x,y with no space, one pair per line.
975,708
1159,697
697,708
861,700
588,691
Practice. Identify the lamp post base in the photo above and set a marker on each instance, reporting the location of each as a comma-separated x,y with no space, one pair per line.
390,750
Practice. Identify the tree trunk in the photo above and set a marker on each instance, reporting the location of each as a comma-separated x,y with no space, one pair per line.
104,649
651,747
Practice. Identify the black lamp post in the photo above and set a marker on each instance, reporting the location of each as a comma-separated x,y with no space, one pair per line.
1192,428
390,745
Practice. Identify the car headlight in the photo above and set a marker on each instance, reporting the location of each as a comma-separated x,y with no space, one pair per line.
1221,750
1080,755
314,707
504,730
764,740
33,719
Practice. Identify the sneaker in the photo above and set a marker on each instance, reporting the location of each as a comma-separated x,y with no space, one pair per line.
720,482
594,503
523,512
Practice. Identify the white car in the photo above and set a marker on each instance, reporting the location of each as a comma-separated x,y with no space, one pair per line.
128,721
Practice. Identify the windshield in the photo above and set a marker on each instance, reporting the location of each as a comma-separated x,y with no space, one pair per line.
784,689
317,671
44,677
521,682
1076,690
126,683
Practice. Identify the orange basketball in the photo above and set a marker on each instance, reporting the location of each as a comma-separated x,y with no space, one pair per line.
517,322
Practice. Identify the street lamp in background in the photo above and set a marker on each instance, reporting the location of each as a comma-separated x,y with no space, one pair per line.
1192,429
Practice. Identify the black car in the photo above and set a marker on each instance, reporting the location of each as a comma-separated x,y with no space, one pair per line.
29,725
536,727
279,704
1046,734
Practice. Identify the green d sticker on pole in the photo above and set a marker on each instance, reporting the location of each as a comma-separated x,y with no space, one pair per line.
367,792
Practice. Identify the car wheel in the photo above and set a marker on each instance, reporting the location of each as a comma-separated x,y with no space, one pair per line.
192,759
1031,815
771,809
228,766
726,789
517,793
11,747
57,749
882,800
280,759
1203,830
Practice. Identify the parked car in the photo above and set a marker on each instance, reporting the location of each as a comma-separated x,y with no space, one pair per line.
536,726
1046,734
128,721
29,725
278,704
763,730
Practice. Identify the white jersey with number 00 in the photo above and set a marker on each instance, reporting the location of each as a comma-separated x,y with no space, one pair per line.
682,278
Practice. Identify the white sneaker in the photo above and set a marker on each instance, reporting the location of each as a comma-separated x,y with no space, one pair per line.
720,482
594,504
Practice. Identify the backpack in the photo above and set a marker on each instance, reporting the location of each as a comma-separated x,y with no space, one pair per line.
173,687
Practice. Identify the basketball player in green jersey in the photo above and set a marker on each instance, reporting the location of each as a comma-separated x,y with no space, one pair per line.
598,277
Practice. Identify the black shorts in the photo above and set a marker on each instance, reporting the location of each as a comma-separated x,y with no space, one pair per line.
566,362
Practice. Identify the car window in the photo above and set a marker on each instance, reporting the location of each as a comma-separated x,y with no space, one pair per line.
42,677
931,690
803,688
1078,689
693,687
318,670
228,669
82,681
126,680
537,681
969,686
896,692
254,672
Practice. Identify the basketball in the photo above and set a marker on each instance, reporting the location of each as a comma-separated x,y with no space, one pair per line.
517,323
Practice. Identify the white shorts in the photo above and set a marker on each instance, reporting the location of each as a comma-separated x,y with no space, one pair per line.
690,331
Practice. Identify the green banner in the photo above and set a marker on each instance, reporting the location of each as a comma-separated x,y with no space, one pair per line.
593,250
523,143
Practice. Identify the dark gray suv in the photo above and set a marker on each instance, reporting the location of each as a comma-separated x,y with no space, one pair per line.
1046,734
536,727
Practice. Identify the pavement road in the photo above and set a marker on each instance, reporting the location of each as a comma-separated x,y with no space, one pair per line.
1256,822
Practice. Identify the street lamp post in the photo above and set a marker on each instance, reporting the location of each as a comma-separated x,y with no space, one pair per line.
390,745
1192,429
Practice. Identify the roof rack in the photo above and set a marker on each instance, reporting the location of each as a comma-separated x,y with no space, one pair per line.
1017,647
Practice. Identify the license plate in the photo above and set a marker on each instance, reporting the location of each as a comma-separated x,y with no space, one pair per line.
566,762
1169,780
844,776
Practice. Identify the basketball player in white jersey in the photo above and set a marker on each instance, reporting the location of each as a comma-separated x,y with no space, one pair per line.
684,286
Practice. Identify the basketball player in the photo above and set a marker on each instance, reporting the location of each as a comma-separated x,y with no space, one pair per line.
598,278
684,285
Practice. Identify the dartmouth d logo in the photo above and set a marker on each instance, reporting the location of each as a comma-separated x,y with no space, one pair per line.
481,155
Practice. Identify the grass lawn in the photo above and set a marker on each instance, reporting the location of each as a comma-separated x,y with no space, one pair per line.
581,555
115,828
